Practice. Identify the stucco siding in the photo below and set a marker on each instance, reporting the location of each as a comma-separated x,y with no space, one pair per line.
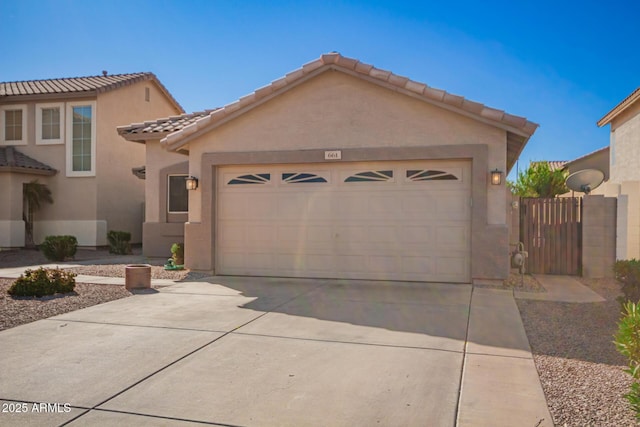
157,158
625,146
120,193
336,110
113,199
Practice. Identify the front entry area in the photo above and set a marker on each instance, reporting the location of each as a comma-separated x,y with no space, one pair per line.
405,220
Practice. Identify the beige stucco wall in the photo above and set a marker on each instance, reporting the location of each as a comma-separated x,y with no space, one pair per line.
161,229
112,199
625,145
11,223
121,194
366,122
339,111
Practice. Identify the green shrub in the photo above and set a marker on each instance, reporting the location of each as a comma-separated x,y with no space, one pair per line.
59,248
41,282
627,272
627,341
119,242
177,254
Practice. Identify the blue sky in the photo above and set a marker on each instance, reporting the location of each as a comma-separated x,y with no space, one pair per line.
562,64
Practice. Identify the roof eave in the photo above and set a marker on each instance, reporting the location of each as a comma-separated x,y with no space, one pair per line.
259,97
588,155
30,171
618,109
49,96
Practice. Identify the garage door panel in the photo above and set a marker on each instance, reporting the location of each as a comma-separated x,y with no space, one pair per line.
384,264
452,237
351,263
419,265
318,262
351,206
234,207
317,233
391,227
291,206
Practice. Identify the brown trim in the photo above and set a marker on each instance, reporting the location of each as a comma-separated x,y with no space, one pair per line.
489,243
17,169
336,62
618,109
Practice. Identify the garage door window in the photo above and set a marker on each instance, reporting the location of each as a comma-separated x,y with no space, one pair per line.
259,178
429,175
369,176
301,178
178,197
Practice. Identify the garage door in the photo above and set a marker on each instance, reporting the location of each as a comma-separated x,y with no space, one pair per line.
383,220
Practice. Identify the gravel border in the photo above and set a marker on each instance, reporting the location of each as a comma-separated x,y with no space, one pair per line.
18,311
581,372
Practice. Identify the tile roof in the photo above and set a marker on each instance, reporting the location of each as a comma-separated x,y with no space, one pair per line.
635,95
553,164
89,85
160,127
519,127
12,160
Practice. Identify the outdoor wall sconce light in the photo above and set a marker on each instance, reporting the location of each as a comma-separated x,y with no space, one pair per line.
496,177
192,182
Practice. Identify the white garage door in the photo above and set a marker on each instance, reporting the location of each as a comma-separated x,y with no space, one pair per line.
382,220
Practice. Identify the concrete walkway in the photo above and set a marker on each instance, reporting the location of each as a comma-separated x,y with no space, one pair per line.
560,289
246,351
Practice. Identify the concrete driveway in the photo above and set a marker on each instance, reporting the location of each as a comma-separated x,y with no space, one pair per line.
239,351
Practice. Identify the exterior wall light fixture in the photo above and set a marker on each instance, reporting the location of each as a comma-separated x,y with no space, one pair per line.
496,177
192,182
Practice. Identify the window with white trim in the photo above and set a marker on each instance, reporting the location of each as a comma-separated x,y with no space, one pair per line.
81,138
50,123
13,124
177,194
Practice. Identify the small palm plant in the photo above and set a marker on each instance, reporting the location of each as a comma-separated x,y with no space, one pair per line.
34,194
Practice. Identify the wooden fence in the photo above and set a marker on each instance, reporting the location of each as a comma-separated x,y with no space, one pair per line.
551,232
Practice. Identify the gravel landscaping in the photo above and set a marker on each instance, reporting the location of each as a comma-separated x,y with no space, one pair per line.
581,372
18,311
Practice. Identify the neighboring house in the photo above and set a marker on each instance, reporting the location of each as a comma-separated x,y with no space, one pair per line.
62,132
598,159
553,164
624,172
339,170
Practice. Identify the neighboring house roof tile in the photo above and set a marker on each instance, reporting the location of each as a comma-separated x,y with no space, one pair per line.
635,95
520,127
160,127
75,85
12,160
553,164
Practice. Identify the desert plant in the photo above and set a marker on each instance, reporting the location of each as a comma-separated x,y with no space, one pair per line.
33,194
177,254
59,248
119,242
538,180
627,272
43,282
627,341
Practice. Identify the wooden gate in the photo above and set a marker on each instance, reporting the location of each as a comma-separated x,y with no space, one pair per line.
551,231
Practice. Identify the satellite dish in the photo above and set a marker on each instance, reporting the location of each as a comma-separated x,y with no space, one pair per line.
585,180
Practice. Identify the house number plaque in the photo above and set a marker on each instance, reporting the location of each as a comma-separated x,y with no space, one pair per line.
333,155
